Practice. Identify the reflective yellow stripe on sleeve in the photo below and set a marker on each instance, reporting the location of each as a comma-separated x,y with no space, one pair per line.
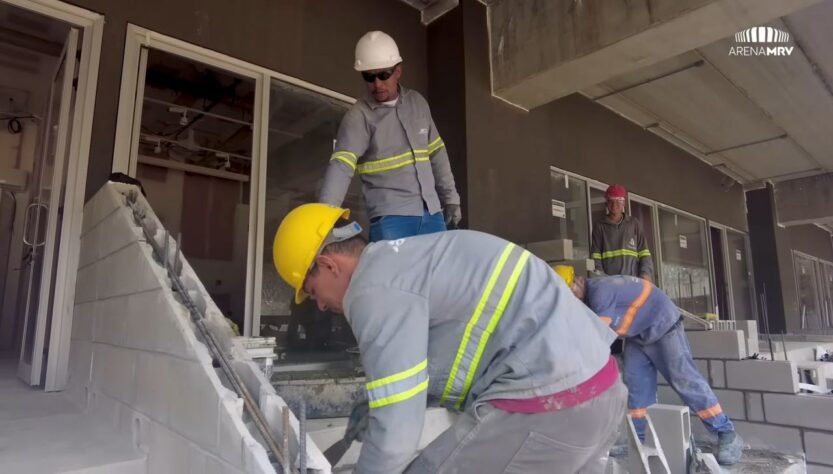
435,145
394,162
398,387
616,253
346,157
644,253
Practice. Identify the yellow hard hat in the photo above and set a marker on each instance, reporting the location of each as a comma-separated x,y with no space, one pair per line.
566,272
299,240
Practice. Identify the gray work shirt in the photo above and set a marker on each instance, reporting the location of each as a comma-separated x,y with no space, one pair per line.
455,319
399,155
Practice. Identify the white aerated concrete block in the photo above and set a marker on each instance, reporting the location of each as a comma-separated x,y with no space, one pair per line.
717,344
86,284
116,232
109,323
153,386
104,202
750,334
82,321
88,251
770,437
717,373
80,368
126,272
819,447
231,429
806,411
194,403
754,406
762,375
156,322
169,452
114,370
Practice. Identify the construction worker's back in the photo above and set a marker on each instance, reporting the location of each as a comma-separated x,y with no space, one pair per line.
459,318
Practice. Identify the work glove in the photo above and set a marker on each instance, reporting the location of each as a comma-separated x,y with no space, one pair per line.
453,214
359,420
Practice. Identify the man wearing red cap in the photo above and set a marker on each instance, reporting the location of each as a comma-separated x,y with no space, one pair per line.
619,246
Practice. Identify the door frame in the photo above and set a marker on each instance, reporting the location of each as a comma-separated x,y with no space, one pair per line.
125,161
91,25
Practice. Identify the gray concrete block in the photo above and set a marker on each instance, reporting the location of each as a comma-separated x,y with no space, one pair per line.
754,406
806,411
819,447
717,344
667,396
750,333
762,375
717,374
732,403
819,469
673,426
769,437
552,250
113,373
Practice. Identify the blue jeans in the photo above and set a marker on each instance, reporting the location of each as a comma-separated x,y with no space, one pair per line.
671,355
399,227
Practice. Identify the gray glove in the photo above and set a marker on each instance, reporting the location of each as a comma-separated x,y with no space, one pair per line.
453,214
359,419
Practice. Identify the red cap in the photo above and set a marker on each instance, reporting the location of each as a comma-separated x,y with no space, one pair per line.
616,191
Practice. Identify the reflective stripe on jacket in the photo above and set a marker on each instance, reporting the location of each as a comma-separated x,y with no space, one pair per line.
455,319
399,155
621,248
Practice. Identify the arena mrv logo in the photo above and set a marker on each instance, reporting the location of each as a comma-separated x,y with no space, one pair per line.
761,41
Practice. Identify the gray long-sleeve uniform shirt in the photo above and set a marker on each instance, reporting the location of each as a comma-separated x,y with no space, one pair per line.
399,155
455,319
621,248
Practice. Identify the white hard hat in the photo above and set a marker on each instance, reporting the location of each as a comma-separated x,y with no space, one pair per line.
376,50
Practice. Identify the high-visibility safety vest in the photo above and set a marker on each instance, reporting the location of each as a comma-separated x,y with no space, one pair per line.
621,248
455,319
399,155
633,307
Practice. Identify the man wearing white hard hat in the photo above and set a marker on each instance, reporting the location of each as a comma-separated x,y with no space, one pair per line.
389,138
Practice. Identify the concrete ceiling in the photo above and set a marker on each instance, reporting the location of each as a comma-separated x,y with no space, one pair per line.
756,118
430,10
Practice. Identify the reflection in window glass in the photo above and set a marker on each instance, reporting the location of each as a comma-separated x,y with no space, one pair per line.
685,268
302,127
569,212
808,291
828,294
741,276
598,205
194,161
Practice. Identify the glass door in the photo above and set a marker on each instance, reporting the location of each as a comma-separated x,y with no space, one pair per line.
43,216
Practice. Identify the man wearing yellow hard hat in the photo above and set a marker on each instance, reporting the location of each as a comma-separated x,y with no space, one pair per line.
467,321
652,325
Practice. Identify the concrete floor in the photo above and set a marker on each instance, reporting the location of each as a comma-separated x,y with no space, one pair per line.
44,432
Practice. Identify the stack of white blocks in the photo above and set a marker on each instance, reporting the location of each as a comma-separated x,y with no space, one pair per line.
761,397
136,363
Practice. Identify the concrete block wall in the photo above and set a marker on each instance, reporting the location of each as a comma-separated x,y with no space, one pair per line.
137,364
762,398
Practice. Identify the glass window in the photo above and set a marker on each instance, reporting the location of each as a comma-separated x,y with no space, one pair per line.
740,272
598,205
828,293
302,127
685,267
194,161
807,286
569,212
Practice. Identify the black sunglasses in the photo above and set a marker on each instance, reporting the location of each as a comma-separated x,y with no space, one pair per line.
382,75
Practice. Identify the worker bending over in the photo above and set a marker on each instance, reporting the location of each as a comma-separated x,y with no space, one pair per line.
467,321
655,340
